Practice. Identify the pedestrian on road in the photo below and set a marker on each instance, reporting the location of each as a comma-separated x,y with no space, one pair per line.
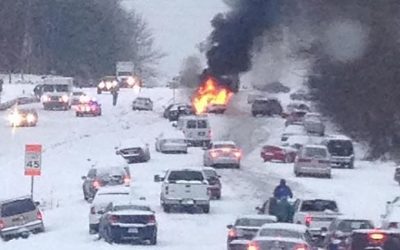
114,93
282,191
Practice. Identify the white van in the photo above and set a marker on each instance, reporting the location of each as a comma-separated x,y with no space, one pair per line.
57,93
196,129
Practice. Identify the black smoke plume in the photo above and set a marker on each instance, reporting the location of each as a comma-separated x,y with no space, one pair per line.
234,33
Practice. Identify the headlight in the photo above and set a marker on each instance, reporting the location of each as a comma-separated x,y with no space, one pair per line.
45,98
15,119
30,118
131,81
101,85
108,85
114,83
65,98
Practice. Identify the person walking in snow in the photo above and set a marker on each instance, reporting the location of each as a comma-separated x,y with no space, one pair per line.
114,93
282,191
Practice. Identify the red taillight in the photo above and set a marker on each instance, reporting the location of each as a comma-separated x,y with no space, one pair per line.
39,215
214,154
377,236
127,180
232,233
308,220
152,219
237,154
113,219
304,160
300,247
252,246
96,184
2,224
93,210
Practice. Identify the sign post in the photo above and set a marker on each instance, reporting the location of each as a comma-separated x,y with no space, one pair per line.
33,162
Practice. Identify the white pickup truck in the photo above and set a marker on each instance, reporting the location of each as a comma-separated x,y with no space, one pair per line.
187,188
316,214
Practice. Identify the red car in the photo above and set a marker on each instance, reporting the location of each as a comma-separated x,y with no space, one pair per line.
92,108
278,153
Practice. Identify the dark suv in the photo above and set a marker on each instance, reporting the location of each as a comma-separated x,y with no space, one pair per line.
20,217
341,150
267,107
372,239
99,177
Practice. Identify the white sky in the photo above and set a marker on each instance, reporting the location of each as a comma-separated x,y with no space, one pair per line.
178,25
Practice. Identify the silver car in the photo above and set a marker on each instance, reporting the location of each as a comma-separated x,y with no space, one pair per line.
222,153
171,142
142,103
313,160
313,124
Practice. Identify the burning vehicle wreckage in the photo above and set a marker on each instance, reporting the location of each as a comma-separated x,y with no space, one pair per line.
214,93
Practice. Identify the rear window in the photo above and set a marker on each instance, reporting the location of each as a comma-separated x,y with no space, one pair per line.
261,102
17,207
202,123
210,173
61,88
250,222
318,206
48,88
340,147
185,176
224,146
131,207
110,172
350,225
315,152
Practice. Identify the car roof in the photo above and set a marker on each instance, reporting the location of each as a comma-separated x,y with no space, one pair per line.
288,226
315,146
24,197
338,137
194,168
351,218
257,217
142,97
132,212
368,231
114,190
209,168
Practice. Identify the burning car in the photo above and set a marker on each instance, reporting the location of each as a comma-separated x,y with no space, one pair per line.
216,108
23,118
92,108
107,83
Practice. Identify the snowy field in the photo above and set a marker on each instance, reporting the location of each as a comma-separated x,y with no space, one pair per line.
72,145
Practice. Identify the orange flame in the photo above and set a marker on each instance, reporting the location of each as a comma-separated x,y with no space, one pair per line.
210,93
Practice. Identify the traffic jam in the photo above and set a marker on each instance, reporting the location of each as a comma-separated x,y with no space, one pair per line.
282,221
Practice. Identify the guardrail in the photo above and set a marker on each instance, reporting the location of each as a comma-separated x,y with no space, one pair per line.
18,101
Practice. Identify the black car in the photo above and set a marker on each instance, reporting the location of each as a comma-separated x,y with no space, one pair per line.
397,175
99,177
173,111
340,230
128,223
38,91
373,239
341,150
267,107
214,183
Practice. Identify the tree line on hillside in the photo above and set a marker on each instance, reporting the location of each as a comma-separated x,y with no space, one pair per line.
76,38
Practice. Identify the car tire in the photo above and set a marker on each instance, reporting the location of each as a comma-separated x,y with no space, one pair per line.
328,176
99,91
351,165
297,174
153,240
218,197
206,209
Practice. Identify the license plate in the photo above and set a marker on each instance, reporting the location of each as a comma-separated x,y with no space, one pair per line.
188,202
133,230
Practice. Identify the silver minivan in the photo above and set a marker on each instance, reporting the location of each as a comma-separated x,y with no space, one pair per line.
313,160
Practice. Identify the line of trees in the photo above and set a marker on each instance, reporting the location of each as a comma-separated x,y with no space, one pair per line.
77,38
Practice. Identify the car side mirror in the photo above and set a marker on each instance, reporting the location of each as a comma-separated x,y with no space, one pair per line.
84,178
37,203
229,226
157,178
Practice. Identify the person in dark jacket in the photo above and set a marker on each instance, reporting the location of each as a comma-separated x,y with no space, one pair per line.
114,93
282,191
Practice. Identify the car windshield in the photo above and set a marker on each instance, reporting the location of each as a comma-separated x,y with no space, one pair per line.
282,233
186,175
107,173
48,88
340,147
131,207
350,225
252,222
17,207
125,73
175,141
315,152
318,206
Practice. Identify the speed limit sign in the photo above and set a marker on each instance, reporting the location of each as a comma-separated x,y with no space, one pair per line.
33,159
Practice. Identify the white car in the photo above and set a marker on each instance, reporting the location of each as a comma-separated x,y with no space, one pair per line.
142,103
134,150
103,197
313,160
290,130
222,153
184,188
316,214
171,142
